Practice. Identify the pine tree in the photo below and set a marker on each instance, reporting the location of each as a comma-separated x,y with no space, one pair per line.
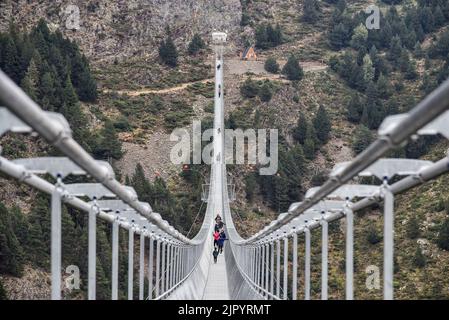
368,70
281,200
418,51
265,92
20,225
196,45
322,125
339,36
38,246
109,146
291,170
245,20
427,19
310,11
310,142
428,85
103,262
261,37
81,77
68,229
141,184
362,139
10,59
354,109
267,36
395,52
408,66
46,91
384,87
300,131
441,48
274,35
11,252
360,37
374,107
250,186
438,16
71,109
292,69
168,52
3,294
30,81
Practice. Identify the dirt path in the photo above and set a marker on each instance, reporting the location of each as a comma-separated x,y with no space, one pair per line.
237,68
142,91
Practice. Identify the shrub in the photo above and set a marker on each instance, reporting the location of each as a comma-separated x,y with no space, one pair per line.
292,69
413,231
419,260
168,52
249,88
196,45
373,236
443,235
271,65
265,92
122,124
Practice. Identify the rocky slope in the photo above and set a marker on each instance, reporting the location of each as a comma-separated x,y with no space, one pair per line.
110,30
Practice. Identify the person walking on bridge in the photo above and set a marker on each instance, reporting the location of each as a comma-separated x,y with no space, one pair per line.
221,241
215,254
216,238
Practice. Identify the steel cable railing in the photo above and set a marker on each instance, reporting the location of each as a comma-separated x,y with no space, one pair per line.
312,213
54,130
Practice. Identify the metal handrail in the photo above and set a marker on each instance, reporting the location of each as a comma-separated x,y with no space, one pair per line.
427,110
18,102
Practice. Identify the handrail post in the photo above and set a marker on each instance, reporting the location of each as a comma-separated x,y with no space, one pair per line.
307,264
114,277
388,242
150,268
130,263
324,259
285,284
278,269
349,252
272,268
141,264
295,266
56,207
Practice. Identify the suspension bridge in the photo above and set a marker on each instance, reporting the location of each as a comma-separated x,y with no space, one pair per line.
254,268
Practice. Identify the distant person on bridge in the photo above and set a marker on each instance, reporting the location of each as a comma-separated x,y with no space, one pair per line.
216,238
220,225
217,218
221,241
215,254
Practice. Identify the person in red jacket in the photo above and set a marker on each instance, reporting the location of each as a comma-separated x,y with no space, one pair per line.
216,238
